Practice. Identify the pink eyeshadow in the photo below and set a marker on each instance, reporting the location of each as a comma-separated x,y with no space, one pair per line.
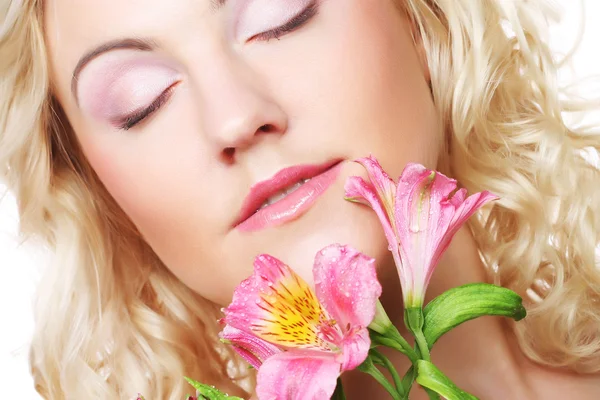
112,90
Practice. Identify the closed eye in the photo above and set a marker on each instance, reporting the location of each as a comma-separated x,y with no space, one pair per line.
138,116
295,23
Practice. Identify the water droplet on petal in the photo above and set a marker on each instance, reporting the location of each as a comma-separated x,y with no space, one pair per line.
414,226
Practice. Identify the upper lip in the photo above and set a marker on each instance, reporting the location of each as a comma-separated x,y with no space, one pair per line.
261,191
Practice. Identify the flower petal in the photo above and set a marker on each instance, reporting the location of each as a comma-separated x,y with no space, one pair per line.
360,191
347,286
381,181
470,205
422,220
251,348
459,197
463,210
355,349
453,214
355,189
244,311
292,376
427,218
413,173
278,306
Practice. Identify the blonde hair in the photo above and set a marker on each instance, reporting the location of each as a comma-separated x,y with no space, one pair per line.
112,320
495,86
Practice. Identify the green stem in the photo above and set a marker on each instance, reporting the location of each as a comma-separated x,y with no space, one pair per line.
393,339
409,351
414,320
422,343
369,368
385,362
425,355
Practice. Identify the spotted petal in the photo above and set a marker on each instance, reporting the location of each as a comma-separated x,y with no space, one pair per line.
278,306
292,376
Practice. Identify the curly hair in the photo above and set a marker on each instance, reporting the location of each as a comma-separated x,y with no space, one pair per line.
112,320
495,86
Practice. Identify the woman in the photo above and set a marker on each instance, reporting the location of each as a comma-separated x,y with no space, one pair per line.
158,147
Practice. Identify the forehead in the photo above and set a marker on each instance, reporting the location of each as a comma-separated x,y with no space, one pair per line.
84,20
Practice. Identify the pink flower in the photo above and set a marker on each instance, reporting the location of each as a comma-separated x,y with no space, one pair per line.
299,339
420,215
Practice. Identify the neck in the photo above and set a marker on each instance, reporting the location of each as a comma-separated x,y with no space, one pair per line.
479,356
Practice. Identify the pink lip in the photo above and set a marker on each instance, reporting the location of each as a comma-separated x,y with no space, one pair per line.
291,206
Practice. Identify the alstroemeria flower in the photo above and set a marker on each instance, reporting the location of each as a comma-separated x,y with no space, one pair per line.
420,215
313,336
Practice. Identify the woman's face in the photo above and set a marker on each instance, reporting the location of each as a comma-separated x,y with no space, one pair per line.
193,111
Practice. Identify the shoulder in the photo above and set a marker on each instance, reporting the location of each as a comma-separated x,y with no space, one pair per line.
550,384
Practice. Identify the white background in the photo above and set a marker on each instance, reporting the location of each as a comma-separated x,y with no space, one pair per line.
20,264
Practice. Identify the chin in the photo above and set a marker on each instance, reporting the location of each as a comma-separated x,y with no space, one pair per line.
331,220
342,222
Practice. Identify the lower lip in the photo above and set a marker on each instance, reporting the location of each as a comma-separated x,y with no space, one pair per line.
293,205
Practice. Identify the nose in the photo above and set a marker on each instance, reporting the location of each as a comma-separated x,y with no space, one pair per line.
237,108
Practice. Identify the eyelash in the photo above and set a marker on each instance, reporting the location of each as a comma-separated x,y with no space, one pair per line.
138,116
295,23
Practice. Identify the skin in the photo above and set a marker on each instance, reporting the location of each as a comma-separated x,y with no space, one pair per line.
348,83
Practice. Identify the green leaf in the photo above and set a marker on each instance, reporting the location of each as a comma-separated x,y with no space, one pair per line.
408,379
430,377
210,392
467,302
339,391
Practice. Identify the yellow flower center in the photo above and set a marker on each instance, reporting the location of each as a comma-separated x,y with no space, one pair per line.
293,317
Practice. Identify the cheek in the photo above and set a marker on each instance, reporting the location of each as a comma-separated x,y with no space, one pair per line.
162,185
139,173
368,89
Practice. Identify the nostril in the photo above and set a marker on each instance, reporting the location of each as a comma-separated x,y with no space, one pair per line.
266,128
228,153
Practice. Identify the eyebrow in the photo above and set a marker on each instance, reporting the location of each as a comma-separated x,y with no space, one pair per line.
119,44
141,44
216,4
